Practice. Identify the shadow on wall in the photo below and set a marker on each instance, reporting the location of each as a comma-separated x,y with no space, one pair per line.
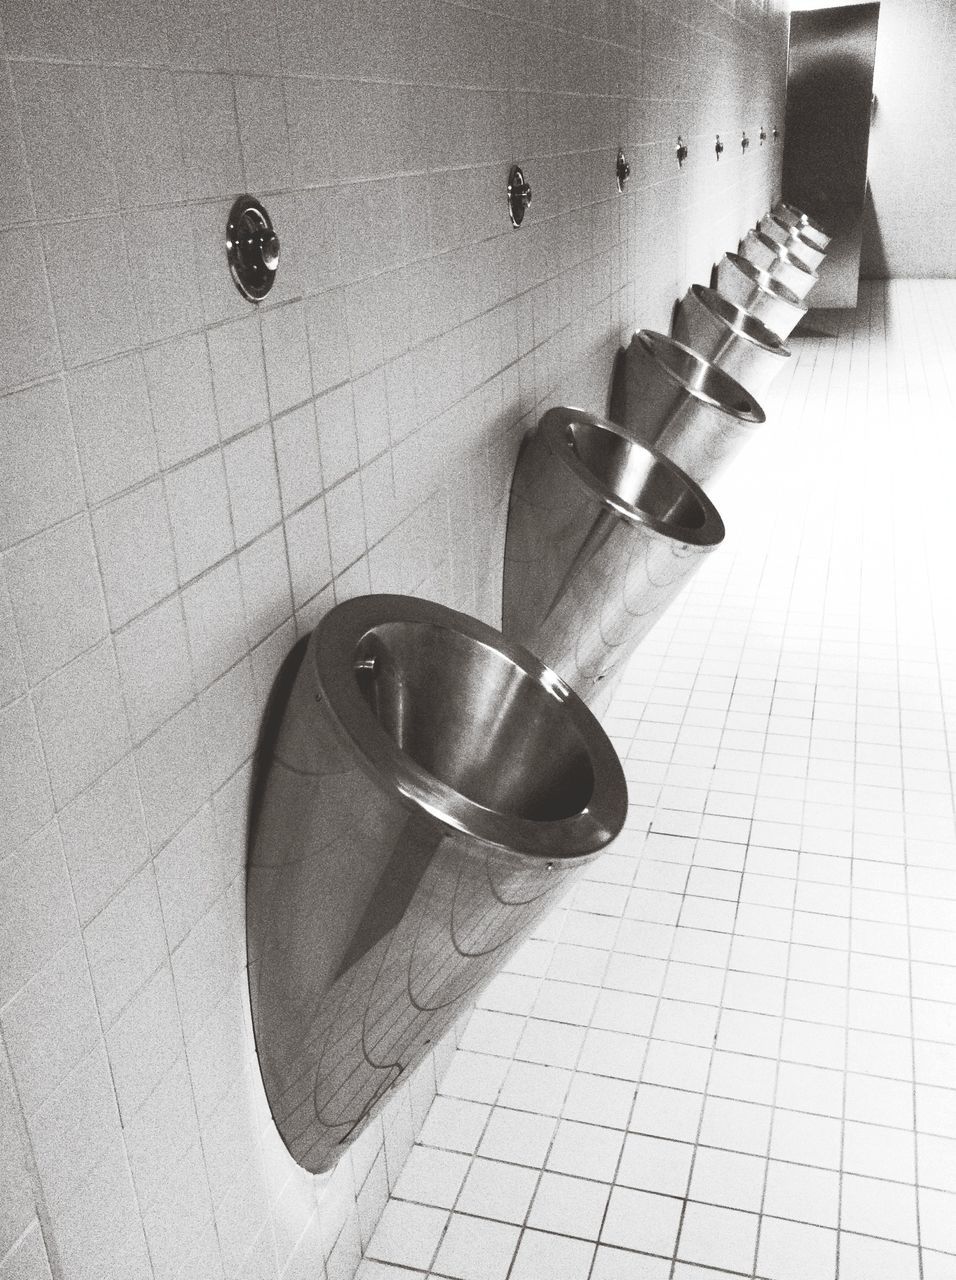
873,261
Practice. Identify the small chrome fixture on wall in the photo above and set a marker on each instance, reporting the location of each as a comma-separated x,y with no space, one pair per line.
744,142
682,152
519,196
252,248
623,170
718,147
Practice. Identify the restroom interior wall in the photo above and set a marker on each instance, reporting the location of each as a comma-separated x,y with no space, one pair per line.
912,157
189,482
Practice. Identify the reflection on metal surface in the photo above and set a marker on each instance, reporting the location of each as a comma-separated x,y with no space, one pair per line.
730,338
793,241
252,248
811,230
671,398
777,262
519,196
602,534
756,291
430,792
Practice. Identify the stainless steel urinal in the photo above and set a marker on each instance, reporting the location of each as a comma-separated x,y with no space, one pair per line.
731,338
431,791
756,291
602,534
809,227
774,258
676,401
793,240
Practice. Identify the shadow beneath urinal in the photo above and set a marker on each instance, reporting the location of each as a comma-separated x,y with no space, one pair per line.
268,735
617,395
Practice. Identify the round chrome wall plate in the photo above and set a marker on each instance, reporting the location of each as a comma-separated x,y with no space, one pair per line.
252,248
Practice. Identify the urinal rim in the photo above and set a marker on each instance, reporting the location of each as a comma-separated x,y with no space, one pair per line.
554,426
568,840
804,217
773,345
776,288
793,233
648,339
783,253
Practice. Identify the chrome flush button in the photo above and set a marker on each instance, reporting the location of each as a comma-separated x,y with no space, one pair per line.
252,248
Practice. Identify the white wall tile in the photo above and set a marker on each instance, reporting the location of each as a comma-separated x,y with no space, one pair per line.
215,622
180,391
198,500
28,340
260,106
75,1128
63,127
152,655
173,774
17,200
93,302
165,285
310,563
39,461
54,583
135,552
104,838
286,348
143,132
346,517
114,429
13,679
144,1042
297,457
126,944
338,442
189,875
50,1025
38,910
210,134
264,575
238,375
253,484
128,32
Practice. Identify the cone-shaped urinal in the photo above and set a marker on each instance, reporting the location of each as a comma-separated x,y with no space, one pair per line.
669,397
775,259
602,534
757,292
730,338
430,792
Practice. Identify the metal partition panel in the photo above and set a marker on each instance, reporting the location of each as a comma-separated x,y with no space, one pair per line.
829,104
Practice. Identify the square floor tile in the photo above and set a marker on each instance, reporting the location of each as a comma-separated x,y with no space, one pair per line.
476,1249
722,1237
571,1206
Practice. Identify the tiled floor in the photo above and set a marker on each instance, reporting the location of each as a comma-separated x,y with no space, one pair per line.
734,1050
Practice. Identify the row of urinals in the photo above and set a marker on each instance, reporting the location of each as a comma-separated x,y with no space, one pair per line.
608,517
428,787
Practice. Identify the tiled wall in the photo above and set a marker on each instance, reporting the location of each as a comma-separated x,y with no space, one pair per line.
912,176
189,482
